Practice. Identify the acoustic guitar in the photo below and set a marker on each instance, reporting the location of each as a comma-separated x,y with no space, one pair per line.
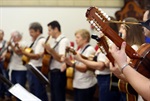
26,59
104,47
46,60
70,70
7,55
140,59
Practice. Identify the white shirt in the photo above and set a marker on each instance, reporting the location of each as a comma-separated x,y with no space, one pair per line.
38,48
84,80
102,57
60,49
16,60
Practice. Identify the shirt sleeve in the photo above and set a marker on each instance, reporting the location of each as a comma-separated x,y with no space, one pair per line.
101,57
39,47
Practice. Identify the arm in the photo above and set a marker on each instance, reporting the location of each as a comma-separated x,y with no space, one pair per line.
55,55
140,83
38,51
32,55
81,67
91,64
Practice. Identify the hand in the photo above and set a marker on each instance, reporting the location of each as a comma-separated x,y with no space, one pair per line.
63,67
78,57
115,69
119,55
47,46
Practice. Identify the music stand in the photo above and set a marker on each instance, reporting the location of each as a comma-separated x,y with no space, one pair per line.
37,73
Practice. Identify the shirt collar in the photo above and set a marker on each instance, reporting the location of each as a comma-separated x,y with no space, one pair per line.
58,38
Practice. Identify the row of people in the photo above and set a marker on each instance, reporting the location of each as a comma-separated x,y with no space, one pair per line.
84,79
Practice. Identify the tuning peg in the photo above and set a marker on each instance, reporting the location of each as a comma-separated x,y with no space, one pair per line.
91,22
94,24
100,9
108,18
98,29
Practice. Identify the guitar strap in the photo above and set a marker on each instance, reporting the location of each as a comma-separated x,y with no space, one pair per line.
3,44
34,42
56,46
85,48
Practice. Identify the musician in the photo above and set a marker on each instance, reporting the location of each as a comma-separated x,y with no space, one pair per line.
17,72
140,83
56,50
84,81
2,71
134,36
36,87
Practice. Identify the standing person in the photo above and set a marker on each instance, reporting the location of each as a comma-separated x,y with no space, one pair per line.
2,70
101,65
36,87
84,81
57,73
17,72
134,36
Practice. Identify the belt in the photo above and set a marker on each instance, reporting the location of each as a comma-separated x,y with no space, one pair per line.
55,71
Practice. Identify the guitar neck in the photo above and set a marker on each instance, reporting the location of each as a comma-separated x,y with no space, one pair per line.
113,36
96,17
84,57
68,49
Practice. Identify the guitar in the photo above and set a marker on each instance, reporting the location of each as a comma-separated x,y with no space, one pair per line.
139,60
70,70
104,47
7,55
46,60
26,59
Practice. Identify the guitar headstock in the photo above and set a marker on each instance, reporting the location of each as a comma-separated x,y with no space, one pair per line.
97,18
70,49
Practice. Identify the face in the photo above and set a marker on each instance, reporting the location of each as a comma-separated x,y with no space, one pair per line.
51,31
122,30
79,40
34,34
1,35
145,18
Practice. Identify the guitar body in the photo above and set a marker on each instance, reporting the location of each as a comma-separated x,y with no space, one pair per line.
7,59
142,65
25,59
45,64
70,75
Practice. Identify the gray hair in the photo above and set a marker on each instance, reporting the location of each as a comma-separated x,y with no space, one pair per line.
17,34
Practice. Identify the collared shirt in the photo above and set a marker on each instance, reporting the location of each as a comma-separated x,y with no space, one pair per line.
84,80
102,57
60,49
38,48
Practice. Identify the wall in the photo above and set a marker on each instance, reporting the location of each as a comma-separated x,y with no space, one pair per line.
70,18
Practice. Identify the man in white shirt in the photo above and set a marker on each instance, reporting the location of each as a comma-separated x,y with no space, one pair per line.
36,86
57,74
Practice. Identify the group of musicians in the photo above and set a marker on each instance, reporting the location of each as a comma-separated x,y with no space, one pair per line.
87,72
